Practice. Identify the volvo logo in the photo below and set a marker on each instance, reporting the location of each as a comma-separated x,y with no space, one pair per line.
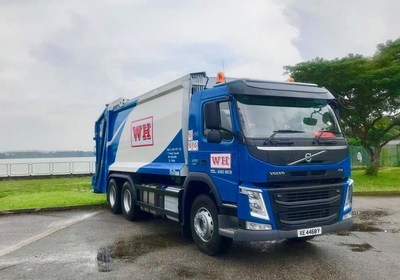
307,157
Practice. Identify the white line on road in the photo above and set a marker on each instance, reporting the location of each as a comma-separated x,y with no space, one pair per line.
48,232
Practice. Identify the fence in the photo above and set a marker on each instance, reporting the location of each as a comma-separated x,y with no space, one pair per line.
390,156
33,167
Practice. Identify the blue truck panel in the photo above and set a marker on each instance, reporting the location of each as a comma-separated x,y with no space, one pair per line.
108,130
170,161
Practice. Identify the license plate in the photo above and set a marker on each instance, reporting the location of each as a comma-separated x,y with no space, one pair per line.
309,231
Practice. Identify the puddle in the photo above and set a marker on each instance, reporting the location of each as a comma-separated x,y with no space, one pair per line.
134,247
368,221
104,260
358,247
366,227
266,246
371,227
343,233
367,215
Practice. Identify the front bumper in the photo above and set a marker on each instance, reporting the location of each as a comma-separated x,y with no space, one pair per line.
269,235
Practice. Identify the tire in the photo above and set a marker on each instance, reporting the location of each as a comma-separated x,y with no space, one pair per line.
204,226
130,210
113,197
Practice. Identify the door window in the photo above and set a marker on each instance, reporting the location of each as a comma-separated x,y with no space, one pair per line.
226,122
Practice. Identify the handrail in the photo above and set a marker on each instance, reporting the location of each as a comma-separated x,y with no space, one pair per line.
38,167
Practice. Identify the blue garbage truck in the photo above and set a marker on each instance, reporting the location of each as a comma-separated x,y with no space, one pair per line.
237,159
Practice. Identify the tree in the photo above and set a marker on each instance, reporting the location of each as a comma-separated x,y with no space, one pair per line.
372,87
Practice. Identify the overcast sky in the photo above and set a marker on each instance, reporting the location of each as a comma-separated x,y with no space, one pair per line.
62,61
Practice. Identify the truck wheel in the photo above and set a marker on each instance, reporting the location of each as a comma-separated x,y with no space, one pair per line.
204,226
130,211
113,197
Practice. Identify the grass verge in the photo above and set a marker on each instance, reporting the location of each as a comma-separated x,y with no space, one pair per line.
387,182
47,193
59,192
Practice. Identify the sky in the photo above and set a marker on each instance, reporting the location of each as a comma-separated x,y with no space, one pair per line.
62,61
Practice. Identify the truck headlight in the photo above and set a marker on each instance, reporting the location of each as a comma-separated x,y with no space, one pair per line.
349,196
256,203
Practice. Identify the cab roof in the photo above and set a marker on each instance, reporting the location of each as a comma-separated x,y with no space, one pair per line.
279,89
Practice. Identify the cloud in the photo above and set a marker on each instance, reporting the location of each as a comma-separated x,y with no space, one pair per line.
331,29
61,61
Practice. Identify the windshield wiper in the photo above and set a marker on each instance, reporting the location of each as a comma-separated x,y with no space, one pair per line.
281,131
318,136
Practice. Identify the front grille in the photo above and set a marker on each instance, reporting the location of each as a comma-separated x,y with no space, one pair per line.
302,207
303,183
305,215
307,173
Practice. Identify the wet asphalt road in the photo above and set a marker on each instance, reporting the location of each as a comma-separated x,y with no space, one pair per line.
98,245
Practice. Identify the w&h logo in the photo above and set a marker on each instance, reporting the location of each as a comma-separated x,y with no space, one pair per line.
142,132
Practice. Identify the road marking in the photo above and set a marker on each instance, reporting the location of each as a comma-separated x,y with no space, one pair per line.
48,232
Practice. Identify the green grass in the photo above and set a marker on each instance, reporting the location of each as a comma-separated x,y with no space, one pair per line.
56,192
45,193
387,182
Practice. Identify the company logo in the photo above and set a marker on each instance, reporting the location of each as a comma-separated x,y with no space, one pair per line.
142,132
220,161
193,145
190,135
277,173
307,157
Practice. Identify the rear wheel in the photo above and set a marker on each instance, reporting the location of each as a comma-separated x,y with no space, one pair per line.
204,226
130,210
113,197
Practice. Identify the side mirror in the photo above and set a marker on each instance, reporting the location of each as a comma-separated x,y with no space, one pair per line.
345,103
211,115
310,121
214,136
327,118
335,107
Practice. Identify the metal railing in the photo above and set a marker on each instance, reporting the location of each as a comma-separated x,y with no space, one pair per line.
46,168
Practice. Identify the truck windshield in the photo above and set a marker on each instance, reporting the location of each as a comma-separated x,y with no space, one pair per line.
264,117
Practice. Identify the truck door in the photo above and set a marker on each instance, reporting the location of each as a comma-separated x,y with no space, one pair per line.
220,160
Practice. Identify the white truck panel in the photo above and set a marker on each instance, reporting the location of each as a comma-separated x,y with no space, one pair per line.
162,111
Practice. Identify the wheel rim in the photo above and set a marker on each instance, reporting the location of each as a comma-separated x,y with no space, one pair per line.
204,224
113,196
127,200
